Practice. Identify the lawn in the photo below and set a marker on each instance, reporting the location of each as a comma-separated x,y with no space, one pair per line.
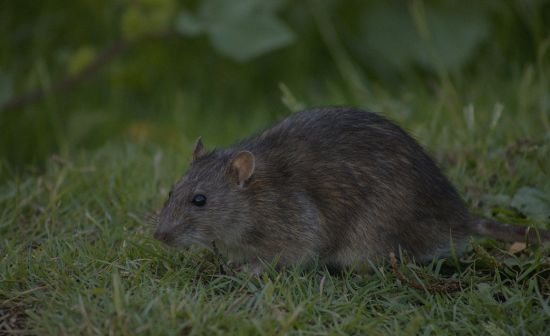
77,254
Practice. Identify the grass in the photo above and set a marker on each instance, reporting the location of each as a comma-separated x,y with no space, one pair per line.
78,258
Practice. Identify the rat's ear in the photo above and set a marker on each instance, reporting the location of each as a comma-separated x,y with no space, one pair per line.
242,166
199,149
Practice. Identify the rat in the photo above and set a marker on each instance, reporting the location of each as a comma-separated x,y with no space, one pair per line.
337,186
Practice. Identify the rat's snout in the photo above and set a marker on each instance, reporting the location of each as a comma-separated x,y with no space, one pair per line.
161,235
164,233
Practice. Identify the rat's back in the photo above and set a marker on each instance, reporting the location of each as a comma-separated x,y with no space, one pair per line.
358,183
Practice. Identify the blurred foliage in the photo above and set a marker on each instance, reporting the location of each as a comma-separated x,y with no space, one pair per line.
443,35
218,65
241,30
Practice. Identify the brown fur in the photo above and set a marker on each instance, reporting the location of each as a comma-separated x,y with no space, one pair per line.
336,185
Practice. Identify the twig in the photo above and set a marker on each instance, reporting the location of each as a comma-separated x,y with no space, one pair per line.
103,58
70,81
442,286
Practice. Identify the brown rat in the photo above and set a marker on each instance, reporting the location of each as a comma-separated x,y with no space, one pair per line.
334,185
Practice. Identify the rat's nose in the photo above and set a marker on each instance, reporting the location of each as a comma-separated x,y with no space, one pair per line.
161,235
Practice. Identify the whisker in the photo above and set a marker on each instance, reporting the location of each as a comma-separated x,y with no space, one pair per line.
152,218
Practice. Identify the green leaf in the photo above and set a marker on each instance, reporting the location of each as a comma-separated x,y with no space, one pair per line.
533,203
133,23
250,36
456,33
497,199
81,58
241,30
188,24
219,11
392,34
147,16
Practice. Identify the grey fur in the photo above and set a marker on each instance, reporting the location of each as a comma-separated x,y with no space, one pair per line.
335,185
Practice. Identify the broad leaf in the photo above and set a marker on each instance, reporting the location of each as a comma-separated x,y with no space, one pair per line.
238,29
533,203
188,24
250,37
392,34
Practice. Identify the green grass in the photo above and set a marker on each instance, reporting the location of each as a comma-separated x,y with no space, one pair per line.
78,258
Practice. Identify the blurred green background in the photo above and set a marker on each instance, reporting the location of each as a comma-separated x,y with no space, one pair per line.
75,75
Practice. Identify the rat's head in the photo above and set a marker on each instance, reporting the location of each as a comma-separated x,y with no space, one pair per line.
208,203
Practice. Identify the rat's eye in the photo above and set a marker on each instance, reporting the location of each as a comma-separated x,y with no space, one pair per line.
199,200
